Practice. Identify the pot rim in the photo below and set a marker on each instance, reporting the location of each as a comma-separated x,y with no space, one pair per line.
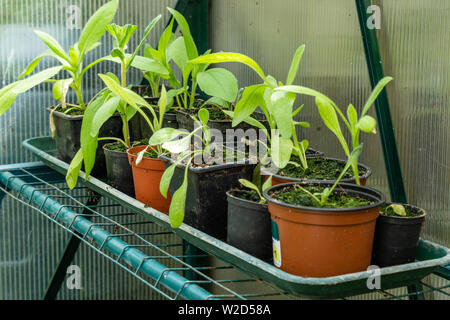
209,168
373,193
135,156
410,206
112,151
248,202
347,180
62,115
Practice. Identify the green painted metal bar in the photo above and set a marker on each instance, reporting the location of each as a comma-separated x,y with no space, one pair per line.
129,254
69,253
388,141
382,108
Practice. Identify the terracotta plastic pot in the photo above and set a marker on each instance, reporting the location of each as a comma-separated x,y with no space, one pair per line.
396,238
147,177
278,179
319,242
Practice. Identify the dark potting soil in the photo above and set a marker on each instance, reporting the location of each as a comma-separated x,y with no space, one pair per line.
72,111
120,147
297,196
389,211
318,169
250,195
215,114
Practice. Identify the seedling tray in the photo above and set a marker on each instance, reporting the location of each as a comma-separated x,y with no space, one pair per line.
430,256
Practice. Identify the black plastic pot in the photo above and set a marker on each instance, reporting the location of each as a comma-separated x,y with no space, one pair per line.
67,138
206,200
396,238
249,227
118,169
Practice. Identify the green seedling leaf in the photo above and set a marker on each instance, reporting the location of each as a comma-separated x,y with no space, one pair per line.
249,185
302,124
295,65
89,143
33,64
177,52
32,81
281,108
9,93
352,115
96,26
249,120
53,45
376,91
164,135
203,115
367,124
178,146
177,206
117,53
398,209
74,169
7,98
60,90
142,43
148,65
165,180
140,156
281,150
250,100
297,110
222,57
330,119
267,184
219,82
102,115
191,48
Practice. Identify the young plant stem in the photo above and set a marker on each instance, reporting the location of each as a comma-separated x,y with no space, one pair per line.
126,129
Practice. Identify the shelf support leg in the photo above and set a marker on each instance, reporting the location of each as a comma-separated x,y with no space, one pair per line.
69,253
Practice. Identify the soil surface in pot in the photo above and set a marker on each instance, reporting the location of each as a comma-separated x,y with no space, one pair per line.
296,196
249,195
236,157
215,114
72,111
319,169
120,147
389,212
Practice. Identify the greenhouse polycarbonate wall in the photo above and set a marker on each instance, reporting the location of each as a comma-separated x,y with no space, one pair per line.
415,45
30,245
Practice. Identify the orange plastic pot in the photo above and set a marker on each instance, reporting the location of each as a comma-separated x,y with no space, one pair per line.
147,176
278,179
318,242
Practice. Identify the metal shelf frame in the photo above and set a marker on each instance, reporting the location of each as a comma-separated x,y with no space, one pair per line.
111,235
110,230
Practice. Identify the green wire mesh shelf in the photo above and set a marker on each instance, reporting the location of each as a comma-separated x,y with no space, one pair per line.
110,229
195,275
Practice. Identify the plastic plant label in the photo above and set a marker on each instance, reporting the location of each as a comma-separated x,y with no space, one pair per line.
276,245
